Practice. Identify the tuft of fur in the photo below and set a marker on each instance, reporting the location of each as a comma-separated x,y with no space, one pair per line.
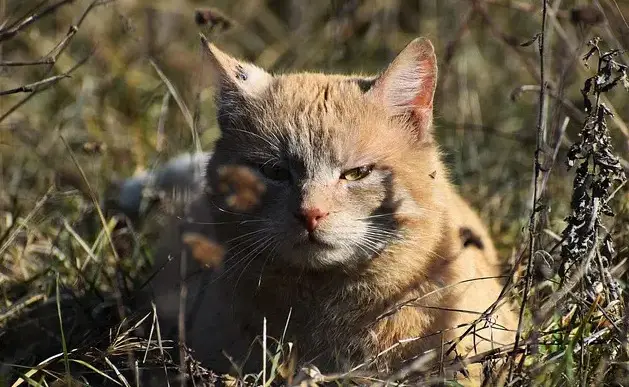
174,179
390,272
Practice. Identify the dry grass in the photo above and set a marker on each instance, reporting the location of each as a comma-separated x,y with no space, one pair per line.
91,91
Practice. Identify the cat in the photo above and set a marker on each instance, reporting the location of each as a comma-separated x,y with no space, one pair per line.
339,230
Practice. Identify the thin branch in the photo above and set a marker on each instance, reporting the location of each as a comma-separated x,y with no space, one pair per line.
51,57
15,63
177,96
509,41
6,25
35,86
571,107
562,131
58,50
541,121
8,33
34,93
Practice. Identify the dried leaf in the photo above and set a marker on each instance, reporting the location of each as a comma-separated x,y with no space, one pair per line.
242,186
204,250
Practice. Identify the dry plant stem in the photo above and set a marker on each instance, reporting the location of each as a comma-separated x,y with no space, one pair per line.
553,16
51,57
35,92
7,239
454,44
506,288
63,340
620,13
21,305
13,30
562,130
35,86
413,302
161,123
58,50
577,298
418,363
26,63
103,220
183,294
541,119
189,118
548,308
525,7
3,22
574,111
504,38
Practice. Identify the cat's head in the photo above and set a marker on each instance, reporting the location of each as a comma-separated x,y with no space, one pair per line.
319,171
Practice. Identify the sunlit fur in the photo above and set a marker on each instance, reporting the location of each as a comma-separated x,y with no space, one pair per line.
316,131
390,237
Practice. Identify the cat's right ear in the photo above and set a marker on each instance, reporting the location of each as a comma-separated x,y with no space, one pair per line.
406,88
232,75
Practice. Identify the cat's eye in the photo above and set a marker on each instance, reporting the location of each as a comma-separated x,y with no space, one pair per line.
357,173
275,172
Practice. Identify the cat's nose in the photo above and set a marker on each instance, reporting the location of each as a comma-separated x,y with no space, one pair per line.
311,217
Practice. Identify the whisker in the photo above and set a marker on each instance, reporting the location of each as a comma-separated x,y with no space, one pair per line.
254,244
391,214
232,222
212,202
269,143
382,232
250,242
245,235
270,254
256,253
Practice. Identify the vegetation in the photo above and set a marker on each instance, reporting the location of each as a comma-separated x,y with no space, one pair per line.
531,111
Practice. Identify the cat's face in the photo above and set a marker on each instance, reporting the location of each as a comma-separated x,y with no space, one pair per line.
310,170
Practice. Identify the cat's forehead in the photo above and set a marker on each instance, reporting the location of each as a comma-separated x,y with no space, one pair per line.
321,111
317,93
319,118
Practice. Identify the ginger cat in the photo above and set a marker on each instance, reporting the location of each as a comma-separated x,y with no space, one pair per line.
339,226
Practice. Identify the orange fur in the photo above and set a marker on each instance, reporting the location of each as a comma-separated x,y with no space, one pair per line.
406,300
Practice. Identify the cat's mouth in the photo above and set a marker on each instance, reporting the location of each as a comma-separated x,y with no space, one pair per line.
314,240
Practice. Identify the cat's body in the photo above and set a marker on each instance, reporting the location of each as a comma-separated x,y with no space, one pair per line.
346,237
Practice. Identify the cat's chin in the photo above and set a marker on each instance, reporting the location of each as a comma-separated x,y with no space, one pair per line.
315,254
314,242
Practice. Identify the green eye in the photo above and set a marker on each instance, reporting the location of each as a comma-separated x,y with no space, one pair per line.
275,172
357,173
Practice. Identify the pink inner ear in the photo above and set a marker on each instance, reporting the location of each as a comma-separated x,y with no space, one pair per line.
424,96
406,88
422,103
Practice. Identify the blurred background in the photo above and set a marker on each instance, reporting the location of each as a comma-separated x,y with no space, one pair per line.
95,91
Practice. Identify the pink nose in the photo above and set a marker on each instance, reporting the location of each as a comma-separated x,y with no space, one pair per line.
311,217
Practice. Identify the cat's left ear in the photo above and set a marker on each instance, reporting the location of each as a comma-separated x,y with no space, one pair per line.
407,87
235,76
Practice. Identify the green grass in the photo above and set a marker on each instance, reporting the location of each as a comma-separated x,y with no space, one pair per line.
136,93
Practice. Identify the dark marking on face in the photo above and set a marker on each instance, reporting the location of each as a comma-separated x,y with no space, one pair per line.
365,83
326,93
240,73
470,238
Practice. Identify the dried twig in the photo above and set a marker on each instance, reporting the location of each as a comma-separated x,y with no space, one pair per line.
14,29
37,91
58,50
541,123
35,86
